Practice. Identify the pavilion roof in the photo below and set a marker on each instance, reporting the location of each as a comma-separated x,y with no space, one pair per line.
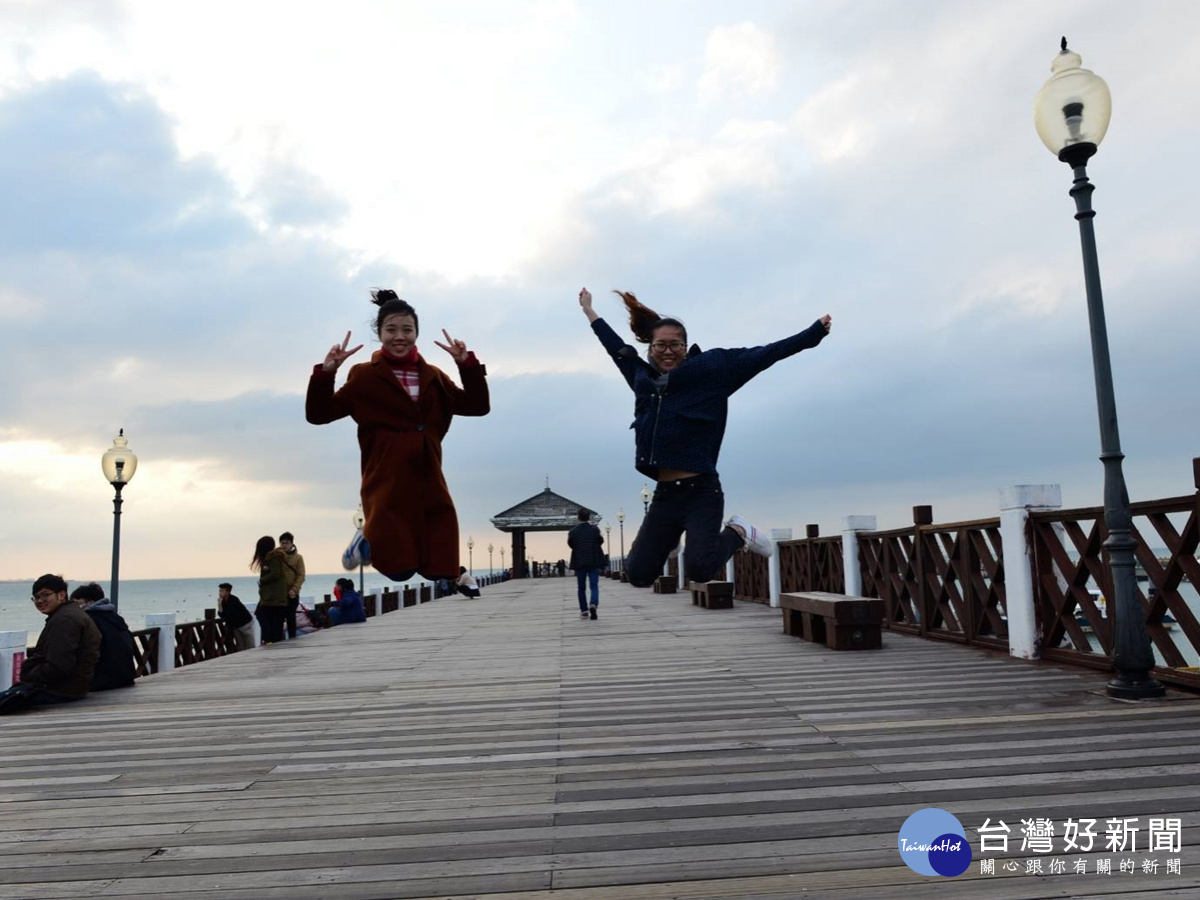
546,511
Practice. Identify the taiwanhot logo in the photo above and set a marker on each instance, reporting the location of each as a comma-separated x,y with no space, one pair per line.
933,842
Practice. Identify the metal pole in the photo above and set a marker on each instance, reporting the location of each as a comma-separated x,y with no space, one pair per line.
360,577
1133,657
116,547
622,524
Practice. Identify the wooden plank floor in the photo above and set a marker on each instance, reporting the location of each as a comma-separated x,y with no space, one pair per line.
503,748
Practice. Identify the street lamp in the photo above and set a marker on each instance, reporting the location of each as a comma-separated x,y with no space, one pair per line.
118,464
1071,113
645,499
608,544
359,520
491,569
470,554
621,523
502,569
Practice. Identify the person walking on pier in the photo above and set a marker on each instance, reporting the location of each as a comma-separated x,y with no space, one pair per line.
403,407
269,561
678,433
587,558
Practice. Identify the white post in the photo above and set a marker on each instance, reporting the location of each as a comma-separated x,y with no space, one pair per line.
12,654
165,623
730,569
256,626
683,579
851,526
1015,504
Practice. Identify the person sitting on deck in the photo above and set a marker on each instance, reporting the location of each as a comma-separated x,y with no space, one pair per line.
467,585
60,667
347,607
116,666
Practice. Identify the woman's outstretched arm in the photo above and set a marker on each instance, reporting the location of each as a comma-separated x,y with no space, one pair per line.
625,356
585,301
322,405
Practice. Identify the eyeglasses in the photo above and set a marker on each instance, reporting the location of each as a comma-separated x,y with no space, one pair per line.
42,596
663,346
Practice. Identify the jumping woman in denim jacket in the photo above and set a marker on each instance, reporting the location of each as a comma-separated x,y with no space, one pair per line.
681,403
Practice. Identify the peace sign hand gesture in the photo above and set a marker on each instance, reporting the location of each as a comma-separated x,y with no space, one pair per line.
338,354
457,349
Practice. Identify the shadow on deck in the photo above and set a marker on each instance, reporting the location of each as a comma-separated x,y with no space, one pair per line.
505,748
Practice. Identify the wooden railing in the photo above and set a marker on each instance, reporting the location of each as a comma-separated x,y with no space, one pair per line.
145,652
812,563
751,577
1073,583
941,581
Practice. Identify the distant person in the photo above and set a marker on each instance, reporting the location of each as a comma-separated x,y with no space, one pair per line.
306,620
403,407
294,573
269,562
347,607
59,669
681,403
467,585
117,665
587,559
236,616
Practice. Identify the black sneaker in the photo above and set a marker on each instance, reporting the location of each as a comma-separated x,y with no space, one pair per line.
591,612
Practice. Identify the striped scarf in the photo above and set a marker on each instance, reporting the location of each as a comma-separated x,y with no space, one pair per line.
406,372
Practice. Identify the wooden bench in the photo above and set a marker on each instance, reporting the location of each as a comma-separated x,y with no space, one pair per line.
665,584
712,594
835,620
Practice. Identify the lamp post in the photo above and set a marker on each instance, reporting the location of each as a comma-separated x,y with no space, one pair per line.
502,569
645,499
470,554
118,464
491,569
359,520
621,524
608,544
1071,114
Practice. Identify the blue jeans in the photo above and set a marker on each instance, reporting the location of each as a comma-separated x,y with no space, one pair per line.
695,506
592,575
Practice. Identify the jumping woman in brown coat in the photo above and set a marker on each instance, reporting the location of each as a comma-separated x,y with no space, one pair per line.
403,407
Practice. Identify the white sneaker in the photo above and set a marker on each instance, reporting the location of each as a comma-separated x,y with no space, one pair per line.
756,541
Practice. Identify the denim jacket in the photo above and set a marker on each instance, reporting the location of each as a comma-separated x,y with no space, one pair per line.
679,417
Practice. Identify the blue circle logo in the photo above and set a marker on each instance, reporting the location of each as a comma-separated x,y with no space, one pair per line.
933,842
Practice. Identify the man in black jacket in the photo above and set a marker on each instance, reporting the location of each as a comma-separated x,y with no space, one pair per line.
116,665
587,558
60,667
235,614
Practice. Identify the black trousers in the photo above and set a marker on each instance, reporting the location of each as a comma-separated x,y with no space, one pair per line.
270,620
691,506
290,616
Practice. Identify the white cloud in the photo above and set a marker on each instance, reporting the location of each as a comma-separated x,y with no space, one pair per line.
739,61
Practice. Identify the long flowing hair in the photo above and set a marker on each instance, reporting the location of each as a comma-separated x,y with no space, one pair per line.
643,321
265,545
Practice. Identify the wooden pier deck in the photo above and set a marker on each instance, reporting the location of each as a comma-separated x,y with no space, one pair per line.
503,748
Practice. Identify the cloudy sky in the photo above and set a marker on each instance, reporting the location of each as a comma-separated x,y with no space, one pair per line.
196,197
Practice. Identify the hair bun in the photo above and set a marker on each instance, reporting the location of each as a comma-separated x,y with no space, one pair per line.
380,296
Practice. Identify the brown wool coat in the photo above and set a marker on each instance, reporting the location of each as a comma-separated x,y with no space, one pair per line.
410,519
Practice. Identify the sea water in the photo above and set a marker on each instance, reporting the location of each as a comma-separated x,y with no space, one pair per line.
187,598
